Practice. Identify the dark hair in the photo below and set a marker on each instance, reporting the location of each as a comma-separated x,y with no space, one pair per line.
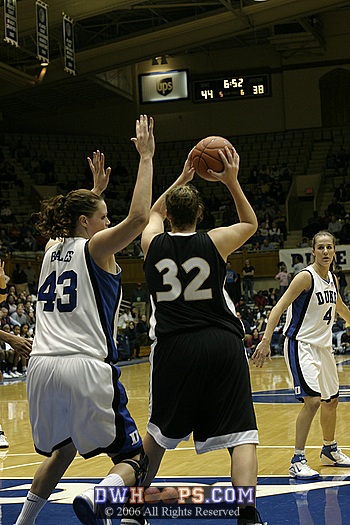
183,204
59,215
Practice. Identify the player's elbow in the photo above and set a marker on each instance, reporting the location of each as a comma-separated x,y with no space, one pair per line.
139,220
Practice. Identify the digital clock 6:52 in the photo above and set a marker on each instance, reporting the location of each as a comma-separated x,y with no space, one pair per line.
232,87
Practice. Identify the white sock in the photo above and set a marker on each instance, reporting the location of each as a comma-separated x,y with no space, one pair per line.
299,452
112,480
31,508
328,443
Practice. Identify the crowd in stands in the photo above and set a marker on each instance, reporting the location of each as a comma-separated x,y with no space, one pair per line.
17,316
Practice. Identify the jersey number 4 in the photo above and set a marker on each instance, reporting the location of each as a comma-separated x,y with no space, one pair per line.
192,291
66,283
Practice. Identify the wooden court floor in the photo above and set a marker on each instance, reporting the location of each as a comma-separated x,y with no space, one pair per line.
276,412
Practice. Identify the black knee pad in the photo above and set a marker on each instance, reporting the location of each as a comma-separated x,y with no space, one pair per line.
140,466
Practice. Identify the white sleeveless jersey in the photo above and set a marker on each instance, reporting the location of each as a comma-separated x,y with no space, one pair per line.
78,304
311,315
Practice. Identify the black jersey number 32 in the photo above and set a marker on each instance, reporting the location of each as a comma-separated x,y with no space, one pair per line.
192,291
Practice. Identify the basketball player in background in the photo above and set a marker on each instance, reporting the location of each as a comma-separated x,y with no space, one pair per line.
76,401
199,370
312,300
19,344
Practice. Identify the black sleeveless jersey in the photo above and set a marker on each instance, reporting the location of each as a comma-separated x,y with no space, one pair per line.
185,275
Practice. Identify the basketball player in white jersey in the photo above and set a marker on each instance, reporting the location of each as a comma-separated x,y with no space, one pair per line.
312,300
76,401
200,380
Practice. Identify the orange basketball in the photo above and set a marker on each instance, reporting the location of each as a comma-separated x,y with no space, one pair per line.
205,155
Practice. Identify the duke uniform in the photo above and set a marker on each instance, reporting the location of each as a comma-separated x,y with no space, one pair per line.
199,371
74,392
308,345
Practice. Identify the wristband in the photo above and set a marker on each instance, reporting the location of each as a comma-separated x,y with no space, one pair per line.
3,291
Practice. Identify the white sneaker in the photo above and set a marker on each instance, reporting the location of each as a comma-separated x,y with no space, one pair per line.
299,469
3,440
6,375
83,506
332,455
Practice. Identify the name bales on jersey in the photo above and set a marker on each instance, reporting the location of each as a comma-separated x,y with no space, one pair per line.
328,296
56,256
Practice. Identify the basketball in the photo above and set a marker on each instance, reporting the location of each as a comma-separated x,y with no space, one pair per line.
169,495
152,495
205,155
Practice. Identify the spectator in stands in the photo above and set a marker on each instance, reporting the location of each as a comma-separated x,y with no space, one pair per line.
253,341
340,193
260,299
5,240
264,232
335,226
131,333
274,232
124,319
246,324
272,297
10,304
256,238
267,246
281,223
19,317
4,317
298,265
304,243
244,310
230,283
342,282
139,299
248,281
338,329
336,208
344,234
286,172
19,277
142,329
283,277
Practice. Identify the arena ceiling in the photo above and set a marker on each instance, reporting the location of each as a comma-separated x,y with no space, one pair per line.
111,34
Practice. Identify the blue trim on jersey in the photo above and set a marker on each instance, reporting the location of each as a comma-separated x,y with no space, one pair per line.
301,388
299,307
107,289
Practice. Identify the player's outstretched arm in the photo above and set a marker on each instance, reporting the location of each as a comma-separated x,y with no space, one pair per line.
20,344
230,238
110,241
302,282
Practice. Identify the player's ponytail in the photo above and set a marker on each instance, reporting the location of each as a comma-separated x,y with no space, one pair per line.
59,215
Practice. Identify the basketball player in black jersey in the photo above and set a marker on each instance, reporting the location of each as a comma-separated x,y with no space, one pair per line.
200,380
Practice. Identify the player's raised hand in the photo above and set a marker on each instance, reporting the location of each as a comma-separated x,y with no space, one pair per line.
188,170
231,166
144,140
100,176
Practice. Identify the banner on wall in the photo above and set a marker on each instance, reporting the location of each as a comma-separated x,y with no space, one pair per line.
42,31
10,19
342,256
68,40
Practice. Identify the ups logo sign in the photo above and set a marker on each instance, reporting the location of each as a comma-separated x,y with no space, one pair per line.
165,86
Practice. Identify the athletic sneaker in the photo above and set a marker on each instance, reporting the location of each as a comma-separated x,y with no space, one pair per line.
83,506
256,520
332,455
3,440
299,468
6,375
